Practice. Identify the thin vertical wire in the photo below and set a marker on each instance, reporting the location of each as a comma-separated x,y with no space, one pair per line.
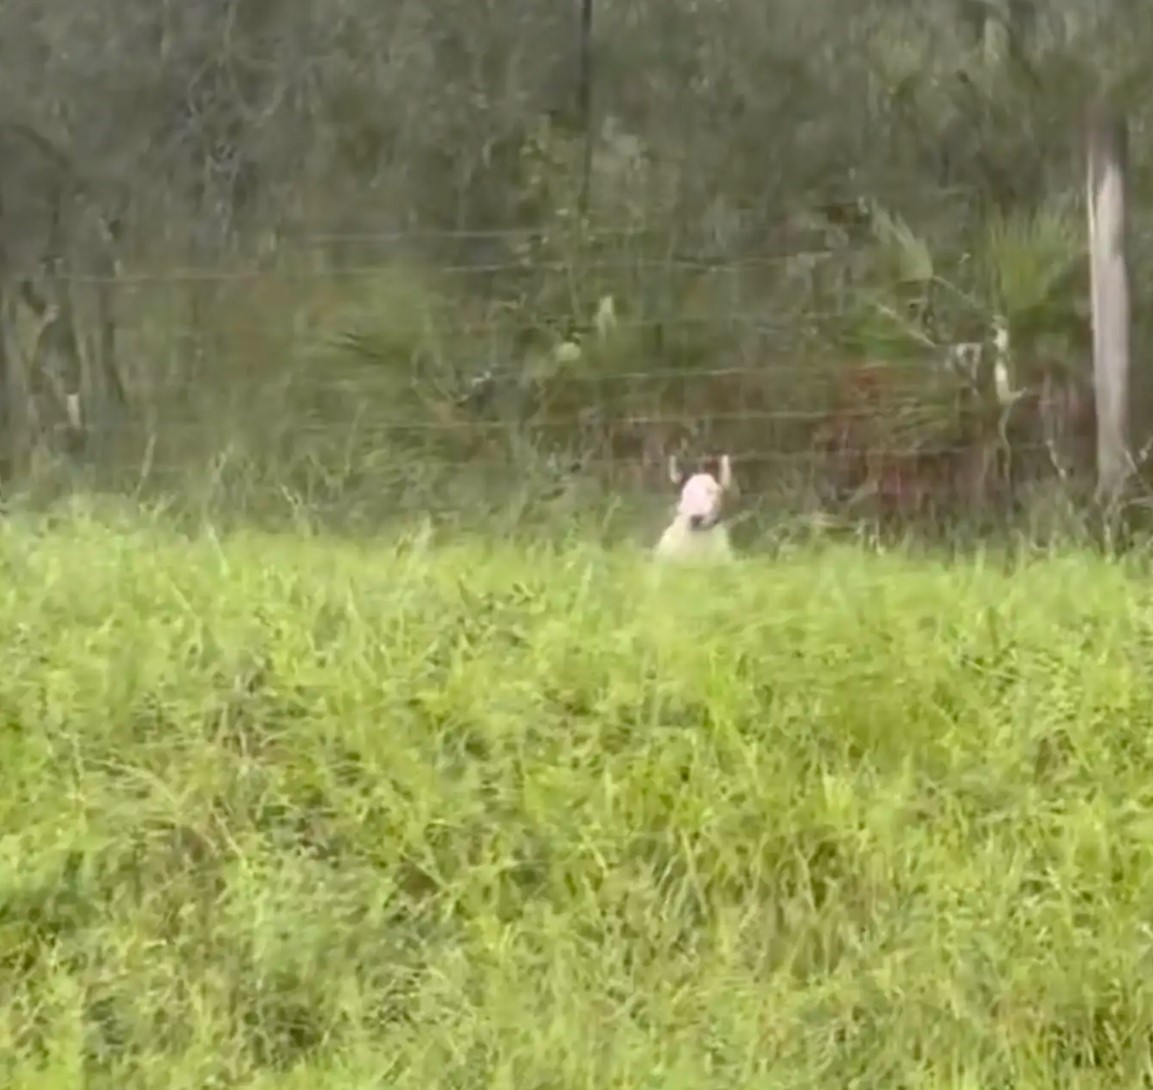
585,102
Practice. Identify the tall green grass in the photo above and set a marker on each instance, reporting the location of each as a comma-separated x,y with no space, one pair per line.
291,813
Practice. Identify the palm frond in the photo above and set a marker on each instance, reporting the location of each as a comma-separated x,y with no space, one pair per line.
1029,261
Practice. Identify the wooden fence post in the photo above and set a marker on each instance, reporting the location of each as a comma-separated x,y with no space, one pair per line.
1110,298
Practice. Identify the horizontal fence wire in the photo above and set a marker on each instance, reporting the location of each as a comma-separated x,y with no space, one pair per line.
435,364
671,374
529,249
893,454
661,374
349,433
756,321
399,427
176,275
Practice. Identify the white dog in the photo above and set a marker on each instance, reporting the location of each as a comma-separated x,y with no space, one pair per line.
697,532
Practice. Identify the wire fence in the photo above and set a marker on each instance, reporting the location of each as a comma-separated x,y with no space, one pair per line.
828,385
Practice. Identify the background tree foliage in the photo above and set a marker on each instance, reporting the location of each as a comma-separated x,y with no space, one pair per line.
386,195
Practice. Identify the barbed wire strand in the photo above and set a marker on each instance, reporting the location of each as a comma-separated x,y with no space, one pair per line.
563,230
573,423
585,463
176,275
264,267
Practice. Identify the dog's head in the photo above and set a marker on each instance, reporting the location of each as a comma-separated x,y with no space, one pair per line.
702,493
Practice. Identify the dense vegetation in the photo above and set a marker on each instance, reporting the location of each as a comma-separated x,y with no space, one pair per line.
349,239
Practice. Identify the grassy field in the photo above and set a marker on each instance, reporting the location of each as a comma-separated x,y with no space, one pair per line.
288,813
